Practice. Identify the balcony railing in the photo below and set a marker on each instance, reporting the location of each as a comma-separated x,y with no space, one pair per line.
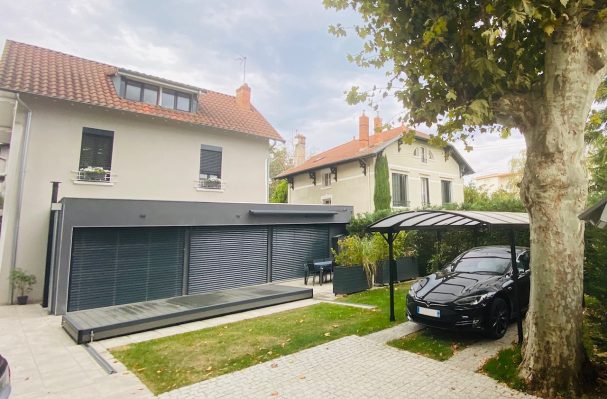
211,184
84,175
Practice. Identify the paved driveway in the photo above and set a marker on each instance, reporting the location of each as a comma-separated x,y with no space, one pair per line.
350,367
46,363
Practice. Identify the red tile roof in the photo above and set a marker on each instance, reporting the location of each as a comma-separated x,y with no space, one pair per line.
30,69
354,149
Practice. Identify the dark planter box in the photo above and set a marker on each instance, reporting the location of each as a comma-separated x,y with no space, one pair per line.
22,300
349,279
406,269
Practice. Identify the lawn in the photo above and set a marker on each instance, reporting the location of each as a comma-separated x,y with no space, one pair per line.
168,363
435,344
380,297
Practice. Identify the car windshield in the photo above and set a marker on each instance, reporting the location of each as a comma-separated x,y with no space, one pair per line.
480,265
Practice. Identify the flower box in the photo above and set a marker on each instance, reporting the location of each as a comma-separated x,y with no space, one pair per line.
349,279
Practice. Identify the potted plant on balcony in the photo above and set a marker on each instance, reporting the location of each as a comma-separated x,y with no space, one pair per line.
93,173
212,182
22,283
356,261
404,254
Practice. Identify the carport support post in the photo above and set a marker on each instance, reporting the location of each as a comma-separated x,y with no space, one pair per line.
392,267
517,303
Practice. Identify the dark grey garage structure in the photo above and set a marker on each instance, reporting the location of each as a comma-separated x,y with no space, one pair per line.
109,252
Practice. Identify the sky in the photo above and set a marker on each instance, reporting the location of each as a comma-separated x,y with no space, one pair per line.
297,71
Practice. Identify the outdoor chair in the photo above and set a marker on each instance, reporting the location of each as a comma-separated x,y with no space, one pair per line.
310,269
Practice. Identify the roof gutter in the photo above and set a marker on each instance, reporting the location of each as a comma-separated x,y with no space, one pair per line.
22,163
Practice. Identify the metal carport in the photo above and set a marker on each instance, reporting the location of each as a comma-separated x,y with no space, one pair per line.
390,226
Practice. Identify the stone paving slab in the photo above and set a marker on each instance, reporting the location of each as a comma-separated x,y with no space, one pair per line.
350,367
46,363
395,332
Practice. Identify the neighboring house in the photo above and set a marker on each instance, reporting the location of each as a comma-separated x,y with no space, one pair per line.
420,174
496,181
109,133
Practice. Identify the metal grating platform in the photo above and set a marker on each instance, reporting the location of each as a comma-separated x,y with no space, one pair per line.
101,323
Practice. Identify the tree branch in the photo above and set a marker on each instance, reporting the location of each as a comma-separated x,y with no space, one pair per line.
516,110
596,47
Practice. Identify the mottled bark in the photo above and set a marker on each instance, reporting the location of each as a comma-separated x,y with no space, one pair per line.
554,191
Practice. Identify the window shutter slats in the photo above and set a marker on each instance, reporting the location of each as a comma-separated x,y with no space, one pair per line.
96,149
210,162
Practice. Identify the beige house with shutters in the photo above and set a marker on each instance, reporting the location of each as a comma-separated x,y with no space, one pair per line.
109,133
420,174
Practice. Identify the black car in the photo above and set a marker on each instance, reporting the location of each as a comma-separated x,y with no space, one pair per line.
5,379
473,292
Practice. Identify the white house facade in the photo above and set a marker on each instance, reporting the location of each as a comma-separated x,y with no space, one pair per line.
108,133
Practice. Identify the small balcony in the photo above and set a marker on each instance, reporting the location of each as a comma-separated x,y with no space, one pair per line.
211,183
93,175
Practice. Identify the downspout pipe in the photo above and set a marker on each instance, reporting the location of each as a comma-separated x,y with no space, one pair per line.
22,164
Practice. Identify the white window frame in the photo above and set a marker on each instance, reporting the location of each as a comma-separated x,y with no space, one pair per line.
425,194
327,177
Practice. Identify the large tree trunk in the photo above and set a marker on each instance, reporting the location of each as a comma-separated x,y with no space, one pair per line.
554,191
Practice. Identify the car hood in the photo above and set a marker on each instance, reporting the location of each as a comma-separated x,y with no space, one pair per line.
446,286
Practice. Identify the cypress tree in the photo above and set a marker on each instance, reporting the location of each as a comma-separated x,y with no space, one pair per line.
381,195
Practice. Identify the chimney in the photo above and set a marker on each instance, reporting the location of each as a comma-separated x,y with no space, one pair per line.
377,128
300,149
243,96
363,130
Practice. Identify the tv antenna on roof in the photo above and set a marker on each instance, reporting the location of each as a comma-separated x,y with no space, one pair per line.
243,62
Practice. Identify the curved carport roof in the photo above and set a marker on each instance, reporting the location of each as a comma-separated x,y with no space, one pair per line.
440,220
444,220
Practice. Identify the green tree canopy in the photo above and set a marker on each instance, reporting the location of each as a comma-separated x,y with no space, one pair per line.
280,160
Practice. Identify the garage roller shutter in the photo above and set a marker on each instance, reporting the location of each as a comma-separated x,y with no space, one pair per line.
113,266
227,257
293,246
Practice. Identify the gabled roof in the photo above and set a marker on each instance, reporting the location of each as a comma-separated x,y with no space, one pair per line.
30,69
354,150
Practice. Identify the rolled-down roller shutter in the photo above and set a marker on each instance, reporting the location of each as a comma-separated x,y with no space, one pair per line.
113,266
295,245
227,257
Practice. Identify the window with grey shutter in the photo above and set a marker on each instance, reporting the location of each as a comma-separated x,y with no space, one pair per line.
210,166
96,148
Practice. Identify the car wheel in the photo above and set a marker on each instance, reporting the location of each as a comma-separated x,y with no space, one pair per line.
499,318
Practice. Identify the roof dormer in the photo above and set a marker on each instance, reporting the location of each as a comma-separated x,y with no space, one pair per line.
155,92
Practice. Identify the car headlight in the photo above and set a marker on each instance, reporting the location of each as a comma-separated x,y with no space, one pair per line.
474,299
